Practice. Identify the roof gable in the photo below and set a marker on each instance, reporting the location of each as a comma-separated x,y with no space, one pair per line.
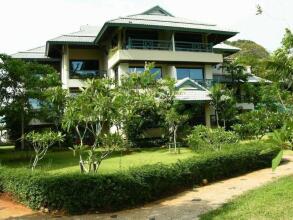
157,10
189,84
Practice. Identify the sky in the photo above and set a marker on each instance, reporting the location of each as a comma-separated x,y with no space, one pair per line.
26,24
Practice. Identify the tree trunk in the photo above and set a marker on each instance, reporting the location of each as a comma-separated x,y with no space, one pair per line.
174,139
22,130
217,118
35,162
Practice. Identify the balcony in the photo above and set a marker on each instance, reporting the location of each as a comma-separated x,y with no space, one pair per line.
164,51
146,44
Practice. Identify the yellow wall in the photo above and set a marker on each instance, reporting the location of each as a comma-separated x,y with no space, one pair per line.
89,54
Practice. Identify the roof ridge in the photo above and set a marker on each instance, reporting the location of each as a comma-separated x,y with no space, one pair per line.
177,22
158,9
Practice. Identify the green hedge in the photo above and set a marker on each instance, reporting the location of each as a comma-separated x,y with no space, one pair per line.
76,193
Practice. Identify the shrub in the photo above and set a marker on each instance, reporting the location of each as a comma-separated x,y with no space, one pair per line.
256,123
203,138
76,193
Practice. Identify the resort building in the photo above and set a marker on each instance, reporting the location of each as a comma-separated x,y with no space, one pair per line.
189,51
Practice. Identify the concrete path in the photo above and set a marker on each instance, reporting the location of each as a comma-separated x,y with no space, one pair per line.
187,205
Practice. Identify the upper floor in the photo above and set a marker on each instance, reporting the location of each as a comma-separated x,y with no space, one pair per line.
176,44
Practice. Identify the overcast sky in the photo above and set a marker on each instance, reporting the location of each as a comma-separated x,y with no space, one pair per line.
26,24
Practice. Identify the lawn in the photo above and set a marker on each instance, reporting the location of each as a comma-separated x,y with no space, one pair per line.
64,161
273,201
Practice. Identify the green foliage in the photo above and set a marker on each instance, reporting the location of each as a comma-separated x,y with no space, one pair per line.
223,101
282,138
280,63
41,142
256,123
99,105
277,160
75,193
21,82
206,139
141,120
251,54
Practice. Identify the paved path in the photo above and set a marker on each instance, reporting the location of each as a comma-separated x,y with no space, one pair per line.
187,205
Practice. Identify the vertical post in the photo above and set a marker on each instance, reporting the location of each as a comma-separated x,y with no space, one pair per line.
65,67
22,128
120,39
173,41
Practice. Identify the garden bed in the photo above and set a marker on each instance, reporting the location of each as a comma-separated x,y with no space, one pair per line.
77,193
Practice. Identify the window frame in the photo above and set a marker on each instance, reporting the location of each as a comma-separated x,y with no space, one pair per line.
201,68
76,75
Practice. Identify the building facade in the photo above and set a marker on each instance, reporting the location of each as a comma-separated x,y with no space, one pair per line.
188,51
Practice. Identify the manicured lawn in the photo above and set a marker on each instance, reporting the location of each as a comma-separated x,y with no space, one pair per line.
64,161
273,201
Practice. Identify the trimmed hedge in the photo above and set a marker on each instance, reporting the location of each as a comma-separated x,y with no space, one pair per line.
76,193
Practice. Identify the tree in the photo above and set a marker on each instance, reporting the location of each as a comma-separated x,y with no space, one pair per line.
251,54
257,123
20,83
41,142
173,120
204,138
223,102
280,63
142,95
89,113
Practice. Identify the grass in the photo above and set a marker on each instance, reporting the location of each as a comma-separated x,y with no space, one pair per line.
272,201
64,161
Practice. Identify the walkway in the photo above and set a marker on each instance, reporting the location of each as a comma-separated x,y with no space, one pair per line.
187,205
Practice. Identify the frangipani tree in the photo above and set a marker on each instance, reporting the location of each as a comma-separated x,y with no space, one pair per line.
95,109
41,142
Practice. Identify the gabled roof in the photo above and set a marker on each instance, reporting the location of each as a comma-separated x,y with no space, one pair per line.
157,10
37,53
189,90
158,18
86,34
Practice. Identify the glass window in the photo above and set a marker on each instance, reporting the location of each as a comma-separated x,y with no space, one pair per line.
83,68
34,103
156,70
192,73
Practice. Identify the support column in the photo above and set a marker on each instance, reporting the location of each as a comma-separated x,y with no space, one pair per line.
122,70
173,40
65,67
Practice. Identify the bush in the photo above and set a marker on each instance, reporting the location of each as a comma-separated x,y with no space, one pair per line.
76,193
203,138
256,123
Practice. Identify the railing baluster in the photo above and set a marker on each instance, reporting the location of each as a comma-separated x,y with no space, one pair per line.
167,45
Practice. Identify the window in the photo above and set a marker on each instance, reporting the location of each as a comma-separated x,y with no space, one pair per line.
156,70
192,73
35,103
84,68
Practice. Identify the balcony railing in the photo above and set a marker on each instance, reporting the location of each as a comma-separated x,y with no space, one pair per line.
193,46
85,74
146,44
149,44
